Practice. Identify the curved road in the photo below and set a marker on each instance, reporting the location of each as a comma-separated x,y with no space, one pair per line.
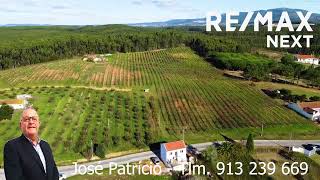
69,170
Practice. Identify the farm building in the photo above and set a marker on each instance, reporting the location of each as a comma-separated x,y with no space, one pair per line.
307,59
308,150
94,58
310,110
15,103
24,96
173,152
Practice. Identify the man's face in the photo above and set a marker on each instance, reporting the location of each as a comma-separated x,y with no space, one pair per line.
30,123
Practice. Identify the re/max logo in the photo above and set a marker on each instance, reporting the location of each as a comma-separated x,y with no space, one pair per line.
282,41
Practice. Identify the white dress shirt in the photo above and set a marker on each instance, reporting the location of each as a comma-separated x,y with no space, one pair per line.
40,153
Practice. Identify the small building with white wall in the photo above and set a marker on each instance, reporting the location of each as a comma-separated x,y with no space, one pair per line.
310,150
24,96
307,59
15,103
173,152
94,58
310,110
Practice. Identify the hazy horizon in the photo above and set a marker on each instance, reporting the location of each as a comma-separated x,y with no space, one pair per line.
98,12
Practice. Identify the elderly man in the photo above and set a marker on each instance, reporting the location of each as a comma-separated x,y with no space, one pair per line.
27,157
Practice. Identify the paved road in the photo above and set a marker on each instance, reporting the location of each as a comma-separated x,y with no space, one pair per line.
69,170
284,143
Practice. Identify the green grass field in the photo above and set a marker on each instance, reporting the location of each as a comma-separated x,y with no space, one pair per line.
80,102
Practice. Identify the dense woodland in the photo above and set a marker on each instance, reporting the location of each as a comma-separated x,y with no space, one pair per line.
31,46
21,46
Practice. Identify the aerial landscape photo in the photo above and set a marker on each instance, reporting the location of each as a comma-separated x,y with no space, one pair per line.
159,89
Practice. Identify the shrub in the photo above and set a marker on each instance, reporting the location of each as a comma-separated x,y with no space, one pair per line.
210,155
86,150
315,98
285,92
100,151
6,112
250,144
115,140
287,59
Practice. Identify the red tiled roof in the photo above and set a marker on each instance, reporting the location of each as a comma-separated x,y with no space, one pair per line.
303,56
175,145
312,105
308,110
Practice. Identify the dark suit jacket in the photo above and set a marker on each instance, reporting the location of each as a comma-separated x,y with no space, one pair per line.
22,162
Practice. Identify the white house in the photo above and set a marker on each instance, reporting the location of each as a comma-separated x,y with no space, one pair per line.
307,152
173,152
15,103
310,110
307,59
94,58
24,96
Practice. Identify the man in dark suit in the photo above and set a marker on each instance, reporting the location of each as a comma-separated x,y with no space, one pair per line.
27,157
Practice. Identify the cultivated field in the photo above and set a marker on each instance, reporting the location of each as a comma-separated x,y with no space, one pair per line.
105,103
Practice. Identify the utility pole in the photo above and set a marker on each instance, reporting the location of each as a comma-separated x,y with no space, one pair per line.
183,129
159,119
91,149
290,147
261,129
183,133
179,130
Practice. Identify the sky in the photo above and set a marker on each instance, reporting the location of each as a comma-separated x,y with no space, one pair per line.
95,12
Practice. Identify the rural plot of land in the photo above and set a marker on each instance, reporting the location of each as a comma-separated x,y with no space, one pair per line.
185,92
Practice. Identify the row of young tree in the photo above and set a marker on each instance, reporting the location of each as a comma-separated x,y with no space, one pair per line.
287,95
